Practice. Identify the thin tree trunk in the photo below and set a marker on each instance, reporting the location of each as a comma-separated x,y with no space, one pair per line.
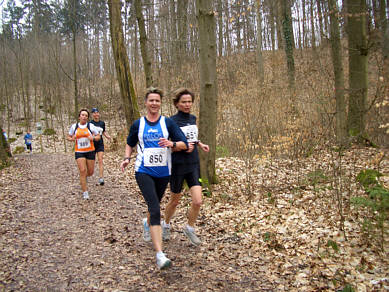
313,37
288,36
126,85
143,43
336,49
208,87
358,51
220,26
258,7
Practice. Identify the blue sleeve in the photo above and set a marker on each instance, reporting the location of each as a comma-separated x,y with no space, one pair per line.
175,132
132,138
103,127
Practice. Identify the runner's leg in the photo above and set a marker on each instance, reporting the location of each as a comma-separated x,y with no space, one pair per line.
100,156
81,163
194,210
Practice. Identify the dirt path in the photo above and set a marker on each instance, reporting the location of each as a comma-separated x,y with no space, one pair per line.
52,240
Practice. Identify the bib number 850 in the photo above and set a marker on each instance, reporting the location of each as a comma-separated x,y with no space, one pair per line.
155,157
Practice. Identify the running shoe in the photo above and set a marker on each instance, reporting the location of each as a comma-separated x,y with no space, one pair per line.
163,262
192,236
165,231
146,230
101,181
85,195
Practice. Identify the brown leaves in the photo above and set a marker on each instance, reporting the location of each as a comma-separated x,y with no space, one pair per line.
276,240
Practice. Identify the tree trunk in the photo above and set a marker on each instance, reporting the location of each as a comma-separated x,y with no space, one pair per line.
336,49
5,151
384,32
313,37
258,7
126,85
208,87
279,21
358,83
75,78
143,43
182,27
320,15
288,36
220,26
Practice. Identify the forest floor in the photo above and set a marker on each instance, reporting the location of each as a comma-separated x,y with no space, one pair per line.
269,230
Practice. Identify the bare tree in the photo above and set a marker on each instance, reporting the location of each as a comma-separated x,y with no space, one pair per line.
126,85
336,49
358,51
143,43
208,86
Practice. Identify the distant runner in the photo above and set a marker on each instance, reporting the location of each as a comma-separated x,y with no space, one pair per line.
99,145
153,163
84,134
185,166
28,141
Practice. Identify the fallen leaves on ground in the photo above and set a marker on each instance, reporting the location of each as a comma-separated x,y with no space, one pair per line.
272,227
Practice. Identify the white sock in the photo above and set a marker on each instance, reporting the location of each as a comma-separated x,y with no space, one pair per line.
190,228
160,254
165,225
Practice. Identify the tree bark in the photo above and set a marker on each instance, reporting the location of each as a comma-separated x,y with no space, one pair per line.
126,85
358,82
143,43
208,87
289,41
258,6
5,151
336,50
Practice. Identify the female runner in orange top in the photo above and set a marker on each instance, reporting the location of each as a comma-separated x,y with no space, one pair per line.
84,133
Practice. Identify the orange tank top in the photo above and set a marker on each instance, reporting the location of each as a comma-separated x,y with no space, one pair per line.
83,144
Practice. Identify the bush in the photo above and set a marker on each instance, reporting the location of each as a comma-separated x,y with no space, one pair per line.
11,140
376,201
18,150
49,132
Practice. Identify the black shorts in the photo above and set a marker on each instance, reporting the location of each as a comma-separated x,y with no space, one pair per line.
91,155
99,147
192,179
29,147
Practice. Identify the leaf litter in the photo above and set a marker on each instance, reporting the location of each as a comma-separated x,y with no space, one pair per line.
283,235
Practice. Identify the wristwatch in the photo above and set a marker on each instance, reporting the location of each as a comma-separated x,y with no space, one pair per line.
174,145
127,158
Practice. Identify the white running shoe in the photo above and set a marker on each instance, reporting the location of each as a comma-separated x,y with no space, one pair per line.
165,231
146,230
85,195
192,236
163,262
101,181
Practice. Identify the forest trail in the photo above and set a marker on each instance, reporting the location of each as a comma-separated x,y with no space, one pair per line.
53,240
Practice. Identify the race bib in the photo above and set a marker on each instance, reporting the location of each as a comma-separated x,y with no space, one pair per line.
191,133
155,157
28,141
83,143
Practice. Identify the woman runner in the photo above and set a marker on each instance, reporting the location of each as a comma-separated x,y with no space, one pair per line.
153,162
84,133
185,166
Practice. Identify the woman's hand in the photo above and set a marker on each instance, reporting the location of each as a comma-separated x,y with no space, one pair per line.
190,147
124,163
204,147
163,142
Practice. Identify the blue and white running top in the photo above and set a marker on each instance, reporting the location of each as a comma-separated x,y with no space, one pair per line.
153,159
